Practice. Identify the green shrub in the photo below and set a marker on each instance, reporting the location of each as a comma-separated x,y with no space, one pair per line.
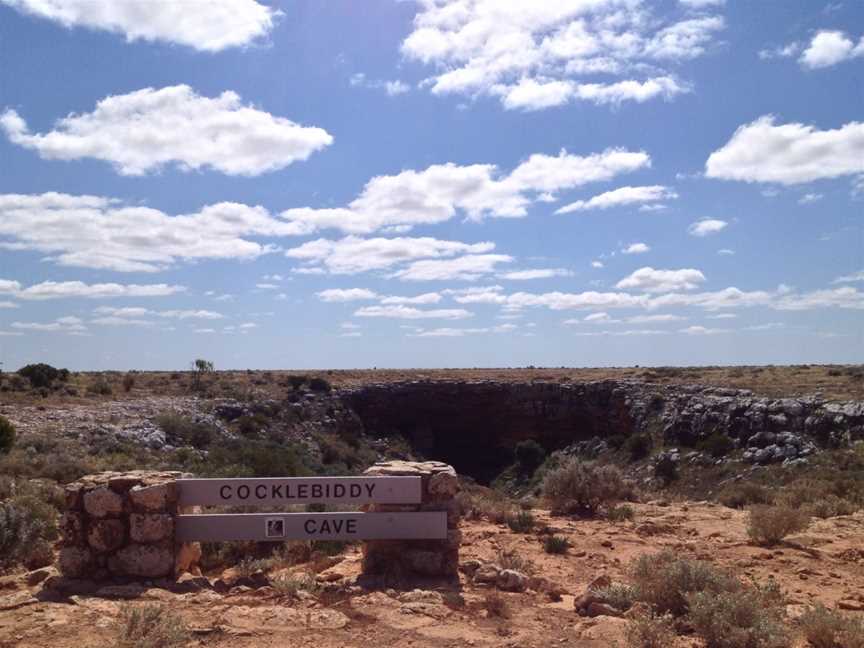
666,469
665,580
717,445
100,387
742,494
250,458
768,525
825,628
637,446
651,632
181,431
7,435
583,487
521,522
556,544
150,626
318,384
620,513
529,455
42,375
288,584
749,617
27,527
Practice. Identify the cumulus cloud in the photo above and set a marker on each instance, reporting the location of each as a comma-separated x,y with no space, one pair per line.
67,324
148,129
137,311
829,48
636,248
69,289
648,279
539,273
346,294
851,278
441,191
400,311
104,234
619,197
789,154
353,255
538,55
224,24
465,268
460,332
706,226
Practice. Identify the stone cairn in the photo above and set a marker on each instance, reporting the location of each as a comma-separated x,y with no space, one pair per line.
121,525
417,558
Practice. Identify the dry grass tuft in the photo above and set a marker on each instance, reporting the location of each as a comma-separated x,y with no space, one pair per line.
769,525
150,626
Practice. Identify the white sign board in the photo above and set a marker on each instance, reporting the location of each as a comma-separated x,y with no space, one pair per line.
279,527
276,491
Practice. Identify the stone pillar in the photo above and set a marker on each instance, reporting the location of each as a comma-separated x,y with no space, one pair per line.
417,558
122,525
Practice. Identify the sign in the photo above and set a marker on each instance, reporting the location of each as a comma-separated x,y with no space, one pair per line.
270,491
279,527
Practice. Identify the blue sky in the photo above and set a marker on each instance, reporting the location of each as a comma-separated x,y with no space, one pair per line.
435,183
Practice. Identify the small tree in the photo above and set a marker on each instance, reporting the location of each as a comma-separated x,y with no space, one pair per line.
7,435
42,375
200,368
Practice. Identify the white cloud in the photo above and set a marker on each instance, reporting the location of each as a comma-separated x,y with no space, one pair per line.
441,191
267,286
353,255
706,226
626,333
67,324
621,196
137,311
224,24
661,281
789,153
408,312
722,316
540,273
653,319
477,295
346,294
810,198
536,55
8,304
70,289
636,248
392,88
596,264
466,268
701,330
828,48
843,297
726,252
770,326
701,4
101,233
783,51
203,330
425,298
148,129
461,332
851,278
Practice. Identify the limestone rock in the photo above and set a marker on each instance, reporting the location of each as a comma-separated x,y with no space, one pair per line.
487,573
444,484
470,567
150,561
75,562
150,527
106,535
427,563
152,499
103,502
37,576
72,528
511,580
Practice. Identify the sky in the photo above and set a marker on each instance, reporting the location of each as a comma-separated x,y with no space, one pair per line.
431,183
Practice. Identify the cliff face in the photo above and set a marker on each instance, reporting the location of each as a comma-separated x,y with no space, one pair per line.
475,425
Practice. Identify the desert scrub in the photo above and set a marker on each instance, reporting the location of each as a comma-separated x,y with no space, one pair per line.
583,487
747,617
181,430
650,632
637,446
521,522
556,544
496,605
7,435
768,525
620,513
665,580
512,560
743,494
150,626
27,527
291,584
825,628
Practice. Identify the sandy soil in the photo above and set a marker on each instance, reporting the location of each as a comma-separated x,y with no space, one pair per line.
824,564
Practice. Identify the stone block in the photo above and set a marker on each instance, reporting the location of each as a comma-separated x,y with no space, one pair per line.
147,561
106,535
425,563
444,484
154,499
122,483
151,527
75,562
102,502
74,497
72,529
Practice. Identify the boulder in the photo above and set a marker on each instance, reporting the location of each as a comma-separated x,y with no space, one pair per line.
153,499
487,573
511,580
